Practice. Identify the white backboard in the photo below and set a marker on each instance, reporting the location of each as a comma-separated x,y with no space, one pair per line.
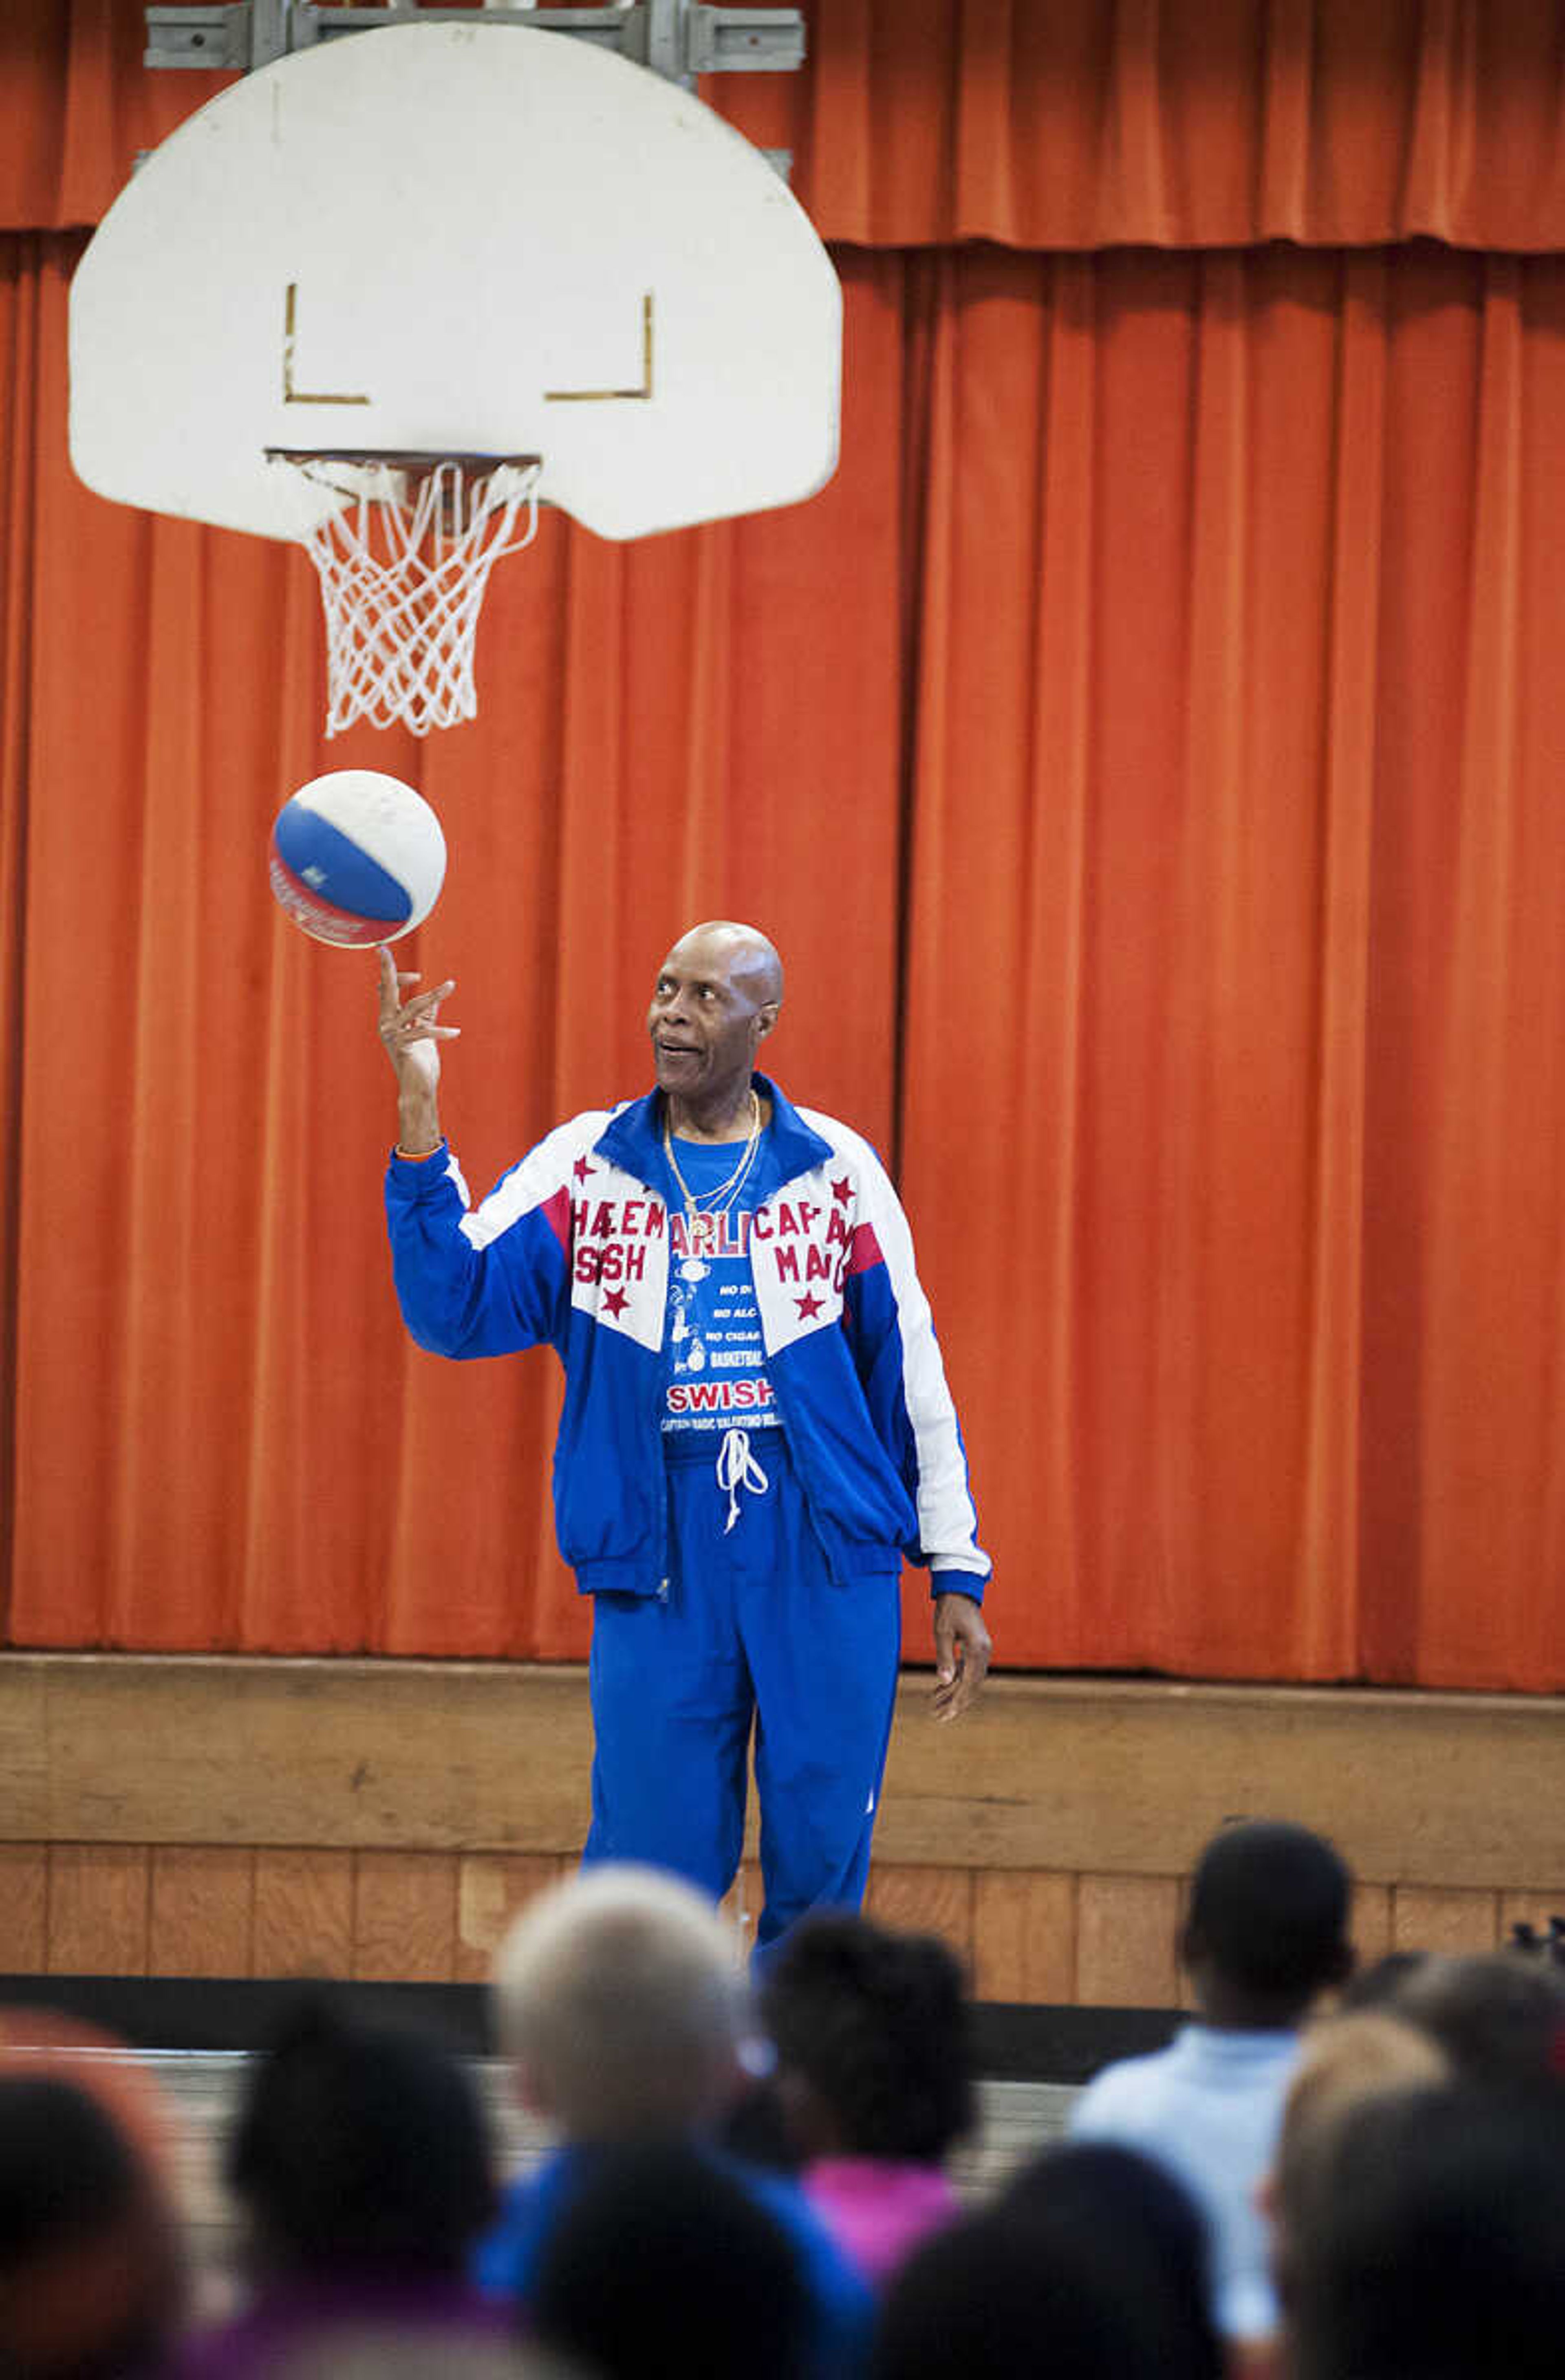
456,239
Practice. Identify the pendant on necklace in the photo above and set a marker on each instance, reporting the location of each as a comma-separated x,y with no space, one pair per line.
693,1269
703,1232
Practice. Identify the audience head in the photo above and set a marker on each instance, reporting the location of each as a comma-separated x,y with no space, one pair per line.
619,1996
661,2260
1266,1927
1499,2017
1091,2266
1434,2250
90,2276
871,2031
360,2149
1086,2191
1346,2062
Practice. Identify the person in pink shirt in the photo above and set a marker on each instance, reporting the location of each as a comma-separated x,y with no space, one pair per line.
874,2079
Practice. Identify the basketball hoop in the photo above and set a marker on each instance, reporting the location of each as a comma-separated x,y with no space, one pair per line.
403,562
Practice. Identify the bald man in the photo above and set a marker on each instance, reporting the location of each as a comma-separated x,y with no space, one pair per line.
757,1426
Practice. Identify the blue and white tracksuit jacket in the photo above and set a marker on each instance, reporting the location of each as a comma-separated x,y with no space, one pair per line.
572,1247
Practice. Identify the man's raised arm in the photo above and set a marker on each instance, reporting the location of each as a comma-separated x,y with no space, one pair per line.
411,1038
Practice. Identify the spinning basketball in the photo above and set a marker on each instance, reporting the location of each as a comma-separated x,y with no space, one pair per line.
357,858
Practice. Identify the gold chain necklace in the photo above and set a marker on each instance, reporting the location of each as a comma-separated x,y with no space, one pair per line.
700,1223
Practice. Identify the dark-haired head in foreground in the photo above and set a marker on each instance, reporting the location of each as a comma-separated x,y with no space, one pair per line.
1092,2266
1437,2251
361,2164
360,2149
874,2079
1267,1928
1499,2016
90,2282
871,2032
663,2261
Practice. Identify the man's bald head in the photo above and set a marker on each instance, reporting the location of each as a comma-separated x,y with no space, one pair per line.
751,958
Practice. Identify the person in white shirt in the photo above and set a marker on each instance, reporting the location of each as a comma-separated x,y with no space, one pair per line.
1264,1936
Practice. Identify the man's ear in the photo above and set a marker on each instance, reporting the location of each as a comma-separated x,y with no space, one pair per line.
766,1018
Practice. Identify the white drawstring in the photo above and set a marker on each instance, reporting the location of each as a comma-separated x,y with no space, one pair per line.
736,1468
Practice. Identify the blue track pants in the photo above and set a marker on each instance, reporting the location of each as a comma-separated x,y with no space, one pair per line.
752,1630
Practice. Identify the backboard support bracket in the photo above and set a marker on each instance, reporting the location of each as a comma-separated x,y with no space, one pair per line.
676,39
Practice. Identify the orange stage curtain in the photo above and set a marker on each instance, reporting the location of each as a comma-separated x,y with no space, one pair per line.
1182,631
1044,123
1234,1109
1145,752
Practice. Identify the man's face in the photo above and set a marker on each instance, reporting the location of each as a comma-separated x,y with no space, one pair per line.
707,1017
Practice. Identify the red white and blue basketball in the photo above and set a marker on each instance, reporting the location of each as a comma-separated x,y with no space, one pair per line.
357,857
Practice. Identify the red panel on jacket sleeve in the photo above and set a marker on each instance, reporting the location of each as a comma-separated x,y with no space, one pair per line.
864,1249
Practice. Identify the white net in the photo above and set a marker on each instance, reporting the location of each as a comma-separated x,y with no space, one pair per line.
404,564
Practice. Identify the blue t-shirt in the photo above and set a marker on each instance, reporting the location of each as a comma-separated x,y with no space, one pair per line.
717,1358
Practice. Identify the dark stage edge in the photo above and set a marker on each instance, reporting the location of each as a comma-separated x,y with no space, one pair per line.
1013,2043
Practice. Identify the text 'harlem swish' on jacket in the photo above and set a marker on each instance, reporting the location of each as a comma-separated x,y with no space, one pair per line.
572,1247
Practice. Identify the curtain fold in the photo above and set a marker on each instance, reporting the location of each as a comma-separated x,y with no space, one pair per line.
19,286
1462,1409
1075,125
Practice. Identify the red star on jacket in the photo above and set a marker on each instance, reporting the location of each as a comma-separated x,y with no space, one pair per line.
582,1169
616,1300
843,1190
809,1305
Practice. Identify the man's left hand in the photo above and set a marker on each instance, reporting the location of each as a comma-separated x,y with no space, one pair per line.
962,1654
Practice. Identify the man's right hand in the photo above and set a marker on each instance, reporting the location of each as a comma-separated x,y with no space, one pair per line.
411,1037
